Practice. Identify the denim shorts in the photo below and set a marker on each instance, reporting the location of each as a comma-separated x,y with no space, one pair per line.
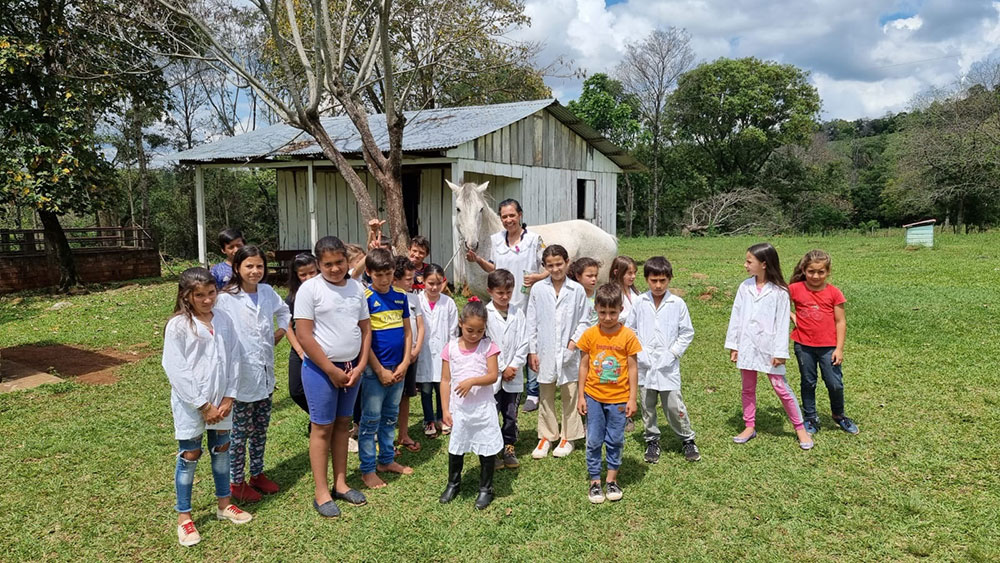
325,401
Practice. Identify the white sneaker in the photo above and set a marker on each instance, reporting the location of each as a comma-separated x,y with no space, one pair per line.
352,445
187,535
542,449
233,514
564,448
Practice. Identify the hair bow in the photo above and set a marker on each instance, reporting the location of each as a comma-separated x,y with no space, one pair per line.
474,299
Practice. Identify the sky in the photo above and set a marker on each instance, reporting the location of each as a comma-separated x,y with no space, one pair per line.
866,57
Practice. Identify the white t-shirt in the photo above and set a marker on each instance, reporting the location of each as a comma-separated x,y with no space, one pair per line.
335,310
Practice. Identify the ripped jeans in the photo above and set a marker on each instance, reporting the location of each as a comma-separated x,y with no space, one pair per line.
184,475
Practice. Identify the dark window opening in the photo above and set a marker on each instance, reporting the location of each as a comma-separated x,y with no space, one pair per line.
411,201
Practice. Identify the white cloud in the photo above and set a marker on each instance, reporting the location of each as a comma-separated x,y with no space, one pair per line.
866,58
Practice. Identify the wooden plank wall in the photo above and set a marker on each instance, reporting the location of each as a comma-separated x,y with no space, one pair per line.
537,140
337,211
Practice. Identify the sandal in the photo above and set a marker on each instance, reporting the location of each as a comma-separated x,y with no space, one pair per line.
413,446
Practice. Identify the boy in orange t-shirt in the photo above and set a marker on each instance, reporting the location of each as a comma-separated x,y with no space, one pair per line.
608,383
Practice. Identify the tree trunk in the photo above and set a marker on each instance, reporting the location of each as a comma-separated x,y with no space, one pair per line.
655,186
57,244
629,204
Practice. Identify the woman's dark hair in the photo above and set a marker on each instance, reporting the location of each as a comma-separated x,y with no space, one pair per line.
799,274
190,280
579,265
236,282
517,206
300,260
329,244
472,309
764,252
619,267
555,250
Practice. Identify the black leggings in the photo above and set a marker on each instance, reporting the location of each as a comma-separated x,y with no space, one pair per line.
295,389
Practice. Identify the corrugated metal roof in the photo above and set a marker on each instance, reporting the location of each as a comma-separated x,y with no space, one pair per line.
426,130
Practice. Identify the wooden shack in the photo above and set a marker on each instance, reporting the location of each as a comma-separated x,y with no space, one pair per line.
920,233
537,152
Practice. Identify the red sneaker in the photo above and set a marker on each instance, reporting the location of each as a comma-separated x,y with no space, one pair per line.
263,484
243,492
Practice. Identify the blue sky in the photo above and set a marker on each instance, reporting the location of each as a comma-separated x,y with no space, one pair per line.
866,57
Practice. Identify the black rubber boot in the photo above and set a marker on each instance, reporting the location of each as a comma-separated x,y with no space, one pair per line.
454,478
486,468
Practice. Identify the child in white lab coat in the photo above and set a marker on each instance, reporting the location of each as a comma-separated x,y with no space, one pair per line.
661,322
506,327
201,357
254,307
757,338
440,326
555,307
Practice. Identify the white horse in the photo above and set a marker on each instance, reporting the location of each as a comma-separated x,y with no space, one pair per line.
476,220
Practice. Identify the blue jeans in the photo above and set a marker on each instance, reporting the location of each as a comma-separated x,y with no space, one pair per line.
184,474
605,427
531,383
379,410
427,392
809,357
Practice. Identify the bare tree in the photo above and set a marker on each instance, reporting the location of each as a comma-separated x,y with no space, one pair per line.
649,70
724,213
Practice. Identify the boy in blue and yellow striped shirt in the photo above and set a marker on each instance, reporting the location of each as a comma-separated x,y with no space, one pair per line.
382,383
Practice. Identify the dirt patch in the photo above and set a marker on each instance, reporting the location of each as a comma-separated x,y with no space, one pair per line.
96,367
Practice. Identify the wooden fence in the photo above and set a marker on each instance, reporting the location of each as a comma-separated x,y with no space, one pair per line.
32,241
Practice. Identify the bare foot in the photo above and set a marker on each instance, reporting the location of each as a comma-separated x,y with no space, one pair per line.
394,467
747,432
372,481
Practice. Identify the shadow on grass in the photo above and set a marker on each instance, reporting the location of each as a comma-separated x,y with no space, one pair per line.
769,420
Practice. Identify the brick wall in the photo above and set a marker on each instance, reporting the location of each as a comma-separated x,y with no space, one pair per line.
97,265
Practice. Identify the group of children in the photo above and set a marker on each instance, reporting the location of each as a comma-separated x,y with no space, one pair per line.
360,352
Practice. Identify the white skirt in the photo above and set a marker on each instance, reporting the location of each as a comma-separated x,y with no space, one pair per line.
475,430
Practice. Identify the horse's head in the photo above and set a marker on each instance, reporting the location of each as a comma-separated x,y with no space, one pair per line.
471,211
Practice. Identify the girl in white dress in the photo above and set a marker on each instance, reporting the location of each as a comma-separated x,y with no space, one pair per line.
469,369
440,326
623,272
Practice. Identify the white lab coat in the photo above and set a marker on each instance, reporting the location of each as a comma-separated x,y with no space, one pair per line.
510,336
203,367
758,327
552,322
524,256
256,326
627,304
665,332
440,326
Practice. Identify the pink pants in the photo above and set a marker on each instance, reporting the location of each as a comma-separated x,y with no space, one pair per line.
781,388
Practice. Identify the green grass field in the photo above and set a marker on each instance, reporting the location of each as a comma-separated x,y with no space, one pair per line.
88,470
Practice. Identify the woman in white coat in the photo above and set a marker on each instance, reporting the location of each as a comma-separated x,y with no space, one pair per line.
519,251
555,308
757,338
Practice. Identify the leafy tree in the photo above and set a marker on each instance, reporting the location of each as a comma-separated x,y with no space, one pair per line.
649,70
739,111
63,72
606,107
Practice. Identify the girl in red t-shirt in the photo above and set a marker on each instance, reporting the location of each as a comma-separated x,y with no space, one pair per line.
820,328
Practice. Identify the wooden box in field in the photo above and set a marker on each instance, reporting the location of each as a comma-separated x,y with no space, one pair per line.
920,233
